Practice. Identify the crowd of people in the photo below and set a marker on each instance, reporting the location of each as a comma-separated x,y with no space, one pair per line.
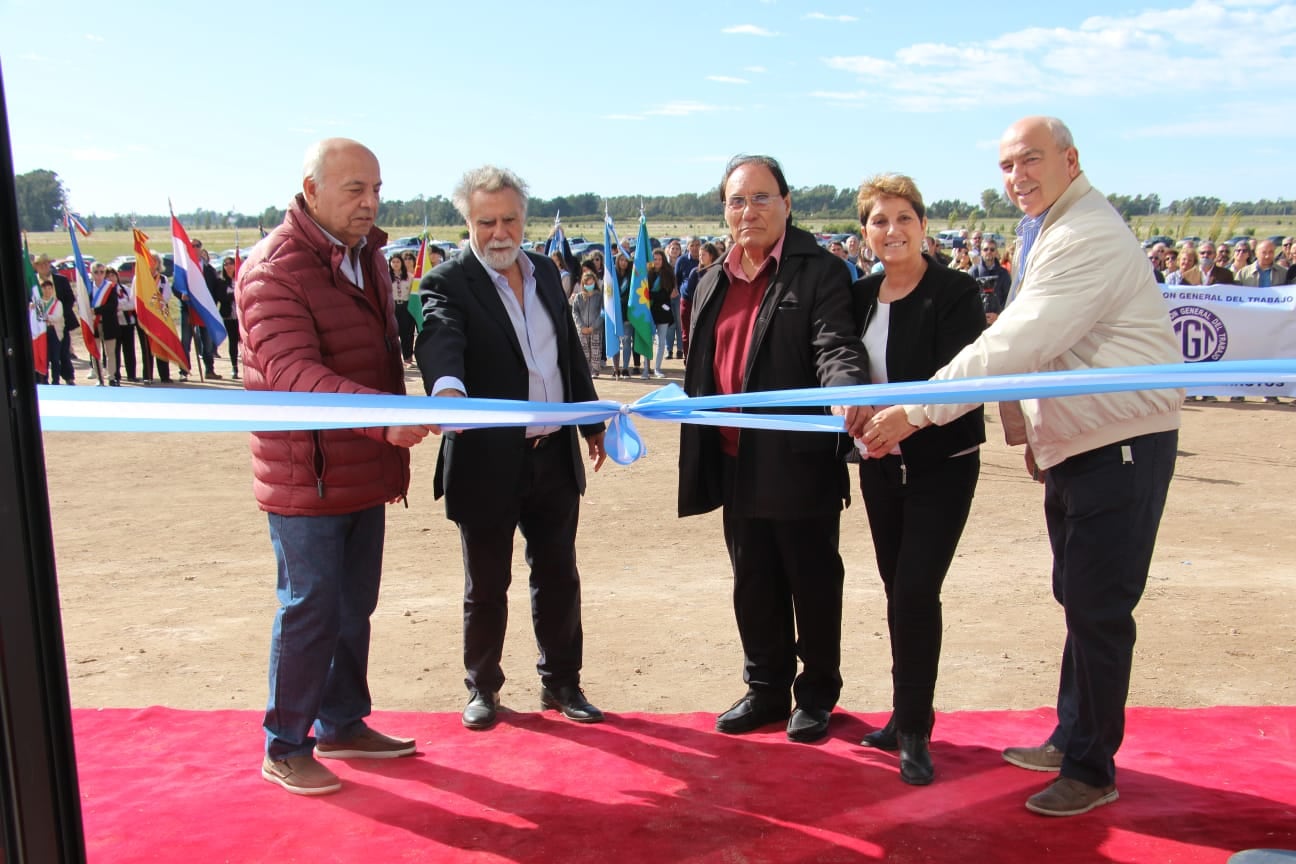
116,326
321,308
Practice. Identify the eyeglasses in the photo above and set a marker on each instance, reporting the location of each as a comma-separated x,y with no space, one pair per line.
1205,254
760,201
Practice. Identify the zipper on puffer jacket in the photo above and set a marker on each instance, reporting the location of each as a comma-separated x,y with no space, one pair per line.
317,462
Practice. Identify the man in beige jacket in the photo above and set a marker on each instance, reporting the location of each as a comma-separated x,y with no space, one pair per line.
1084,298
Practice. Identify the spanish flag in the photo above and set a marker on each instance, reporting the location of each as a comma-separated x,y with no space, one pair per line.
152,309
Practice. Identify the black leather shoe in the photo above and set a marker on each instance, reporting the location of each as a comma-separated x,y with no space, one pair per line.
808,725
750,713
885,738
571,702
915,759
481,711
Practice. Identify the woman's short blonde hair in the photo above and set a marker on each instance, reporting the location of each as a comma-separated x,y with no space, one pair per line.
881,186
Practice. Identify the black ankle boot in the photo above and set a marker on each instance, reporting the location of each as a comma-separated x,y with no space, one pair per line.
915,759
885,738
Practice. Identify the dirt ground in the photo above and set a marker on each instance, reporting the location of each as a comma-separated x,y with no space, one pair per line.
167,582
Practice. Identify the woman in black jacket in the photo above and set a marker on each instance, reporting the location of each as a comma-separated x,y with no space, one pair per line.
225,304
914,317
661,285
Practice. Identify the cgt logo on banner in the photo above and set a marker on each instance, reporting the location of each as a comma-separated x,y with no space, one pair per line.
1234,322
1202,334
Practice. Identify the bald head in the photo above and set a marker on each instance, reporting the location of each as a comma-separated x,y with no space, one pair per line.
1038,158
341,182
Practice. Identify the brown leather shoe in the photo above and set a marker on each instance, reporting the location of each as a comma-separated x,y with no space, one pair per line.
1068,797
1045,757
367,744
300,775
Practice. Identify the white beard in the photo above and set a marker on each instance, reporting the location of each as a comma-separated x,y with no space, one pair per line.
500,260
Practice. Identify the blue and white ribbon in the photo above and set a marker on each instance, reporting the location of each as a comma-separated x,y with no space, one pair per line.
84,409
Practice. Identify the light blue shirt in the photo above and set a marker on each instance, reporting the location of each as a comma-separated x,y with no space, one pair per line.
1028,229
535,334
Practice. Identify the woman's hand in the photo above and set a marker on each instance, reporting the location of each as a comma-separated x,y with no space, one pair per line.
885,430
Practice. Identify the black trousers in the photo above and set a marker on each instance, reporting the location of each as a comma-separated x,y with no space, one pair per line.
1103,509
787,597
405,323
126,352
916,518
232,340
546,508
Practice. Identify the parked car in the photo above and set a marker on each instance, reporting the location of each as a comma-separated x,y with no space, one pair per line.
1158,238
401,245
1240,238
947,238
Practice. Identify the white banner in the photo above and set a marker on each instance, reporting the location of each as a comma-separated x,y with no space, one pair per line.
1234,322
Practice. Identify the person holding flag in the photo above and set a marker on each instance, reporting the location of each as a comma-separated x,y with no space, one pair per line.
104,299
67,303
613,325
639,307
158,338
83,307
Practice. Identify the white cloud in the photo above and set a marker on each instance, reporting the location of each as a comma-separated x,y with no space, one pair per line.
681,109
754,69
92,154
748,30
727,79
92,37
820,16
1204,46
622,117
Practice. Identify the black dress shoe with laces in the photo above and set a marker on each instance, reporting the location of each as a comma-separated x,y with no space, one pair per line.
752,712
808,724
885,738
481,711
915,759
571,702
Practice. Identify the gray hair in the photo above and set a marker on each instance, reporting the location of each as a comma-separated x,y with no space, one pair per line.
487,178
317,153
1061,134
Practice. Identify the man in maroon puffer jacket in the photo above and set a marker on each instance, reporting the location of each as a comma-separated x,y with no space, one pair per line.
316,315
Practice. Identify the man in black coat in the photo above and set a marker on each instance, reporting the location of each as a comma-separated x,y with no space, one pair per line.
496,325
63,291
775,315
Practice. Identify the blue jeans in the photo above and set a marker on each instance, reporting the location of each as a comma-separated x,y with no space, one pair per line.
59,349
627,349
329,570
663,339
675,336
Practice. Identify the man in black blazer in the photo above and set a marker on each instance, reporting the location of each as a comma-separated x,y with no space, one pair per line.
775,315
496,325
71,322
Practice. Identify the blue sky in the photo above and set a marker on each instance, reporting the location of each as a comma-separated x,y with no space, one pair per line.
215,110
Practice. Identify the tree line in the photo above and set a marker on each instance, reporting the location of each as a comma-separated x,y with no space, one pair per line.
42,196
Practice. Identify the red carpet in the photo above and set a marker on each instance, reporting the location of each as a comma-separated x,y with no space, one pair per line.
165,785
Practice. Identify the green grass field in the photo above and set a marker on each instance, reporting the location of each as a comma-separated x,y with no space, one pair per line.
105,245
